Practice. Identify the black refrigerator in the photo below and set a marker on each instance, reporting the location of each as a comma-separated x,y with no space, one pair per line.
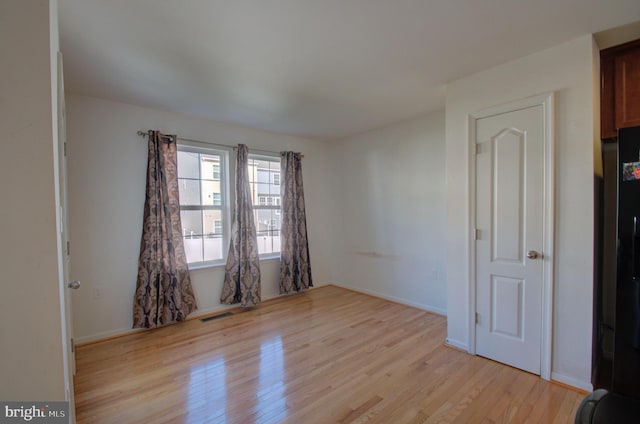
617,294
626,359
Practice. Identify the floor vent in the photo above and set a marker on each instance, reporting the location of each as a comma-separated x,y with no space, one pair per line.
211,318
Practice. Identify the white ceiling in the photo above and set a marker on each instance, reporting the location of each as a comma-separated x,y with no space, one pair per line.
322,69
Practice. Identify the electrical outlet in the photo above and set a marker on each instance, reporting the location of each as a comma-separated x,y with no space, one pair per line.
97,293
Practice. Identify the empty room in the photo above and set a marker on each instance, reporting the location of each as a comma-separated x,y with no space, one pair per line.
339,211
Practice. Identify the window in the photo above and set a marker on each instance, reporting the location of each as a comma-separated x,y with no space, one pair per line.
203,206
204,203
264,178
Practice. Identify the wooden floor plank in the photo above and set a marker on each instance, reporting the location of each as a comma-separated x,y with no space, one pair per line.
328,355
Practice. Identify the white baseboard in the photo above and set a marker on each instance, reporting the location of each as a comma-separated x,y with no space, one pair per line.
79,341
456,344
422,306
573,382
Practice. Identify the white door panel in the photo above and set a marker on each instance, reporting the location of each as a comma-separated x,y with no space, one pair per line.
509,216
506,306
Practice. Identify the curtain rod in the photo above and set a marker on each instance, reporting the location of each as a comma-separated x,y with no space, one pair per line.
145,134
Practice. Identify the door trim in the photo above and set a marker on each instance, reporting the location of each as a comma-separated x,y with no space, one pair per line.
546,100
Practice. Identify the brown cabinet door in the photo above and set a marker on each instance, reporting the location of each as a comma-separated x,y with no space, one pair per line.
608,129
627,87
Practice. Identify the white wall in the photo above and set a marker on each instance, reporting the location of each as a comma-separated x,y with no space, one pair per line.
568,70
31,347
106,168
391,200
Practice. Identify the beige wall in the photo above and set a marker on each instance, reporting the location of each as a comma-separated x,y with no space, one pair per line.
106,168
106,190
568,70
31,344
391,193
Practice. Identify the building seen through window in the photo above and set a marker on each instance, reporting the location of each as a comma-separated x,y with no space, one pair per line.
202,204
204,208
264,178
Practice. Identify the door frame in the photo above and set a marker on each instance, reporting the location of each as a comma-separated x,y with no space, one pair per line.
59,119
547,101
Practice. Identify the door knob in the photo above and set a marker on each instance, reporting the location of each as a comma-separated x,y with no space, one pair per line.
532,254
75,284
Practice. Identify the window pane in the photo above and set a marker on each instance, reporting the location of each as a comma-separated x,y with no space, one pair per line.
276,223
211,192
200,183
210,219
264,178
265,244
191,223
193,249
262,230
210,167
262,219
262,165
213,248
188,164
267,230
189,191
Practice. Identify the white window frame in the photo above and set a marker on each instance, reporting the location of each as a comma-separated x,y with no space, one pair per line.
225,200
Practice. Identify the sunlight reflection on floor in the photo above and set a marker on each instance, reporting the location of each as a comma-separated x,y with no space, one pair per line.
271,396
213,398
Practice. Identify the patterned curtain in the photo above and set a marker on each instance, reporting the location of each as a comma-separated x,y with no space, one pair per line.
295,266
242,272
163,290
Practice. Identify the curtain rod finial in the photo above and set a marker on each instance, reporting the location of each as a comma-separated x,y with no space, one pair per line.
142,133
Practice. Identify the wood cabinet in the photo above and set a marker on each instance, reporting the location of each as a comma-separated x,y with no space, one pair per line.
619,88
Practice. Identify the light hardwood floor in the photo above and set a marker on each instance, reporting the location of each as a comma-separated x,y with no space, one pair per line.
328,355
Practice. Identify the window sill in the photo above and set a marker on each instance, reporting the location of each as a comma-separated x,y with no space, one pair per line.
201,266
270,257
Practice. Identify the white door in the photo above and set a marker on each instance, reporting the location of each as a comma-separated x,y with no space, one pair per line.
64,240
509,222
